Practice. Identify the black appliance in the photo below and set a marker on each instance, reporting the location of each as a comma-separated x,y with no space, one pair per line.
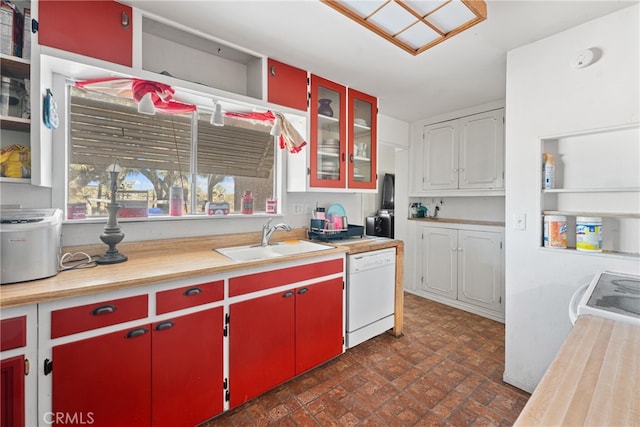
382,224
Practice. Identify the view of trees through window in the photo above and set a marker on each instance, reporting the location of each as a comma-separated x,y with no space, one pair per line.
157,152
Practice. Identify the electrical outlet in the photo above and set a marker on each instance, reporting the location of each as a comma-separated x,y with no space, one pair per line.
298,209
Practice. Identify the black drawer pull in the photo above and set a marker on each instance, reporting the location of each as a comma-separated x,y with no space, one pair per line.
192,291
288,294
104,309
165,325
136,333
303,291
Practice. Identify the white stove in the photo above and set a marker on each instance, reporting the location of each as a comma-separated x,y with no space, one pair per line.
611,295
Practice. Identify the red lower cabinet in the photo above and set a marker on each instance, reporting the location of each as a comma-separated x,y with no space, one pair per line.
319,329
12,371
105,380
261,345
169,373
275,337
186,369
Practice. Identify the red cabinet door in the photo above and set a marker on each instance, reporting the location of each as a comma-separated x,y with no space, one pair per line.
286,85
105,380
12,392
99,29
328,118
13,333
186,367
261,345
319,325
363,140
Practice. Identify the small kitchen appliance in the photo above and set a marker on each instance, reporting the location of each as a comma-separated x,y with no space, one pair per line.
30,244
382,224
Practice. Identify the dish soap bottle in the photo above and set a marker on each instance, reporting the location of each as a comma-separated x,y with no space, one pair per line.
548,171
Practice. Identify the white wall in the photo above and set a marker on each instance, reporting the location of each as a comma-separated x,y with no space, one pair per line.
545,97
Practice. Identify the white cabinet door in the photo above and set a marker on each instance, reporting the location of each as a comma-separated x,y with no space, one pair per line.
439,261
482,150
440,156
480,268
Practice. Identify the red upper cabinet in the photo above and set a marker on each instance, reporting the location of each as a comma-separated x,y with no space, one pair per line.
99,29
286,85
363,130
343,136
328,151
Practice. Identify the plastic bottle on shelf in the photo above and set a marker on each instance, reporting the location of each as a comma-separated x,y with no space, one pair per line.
175,196
548,171
247,203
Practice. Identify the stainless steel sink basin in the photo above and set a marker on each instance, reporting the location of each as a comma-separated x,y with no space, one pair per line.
274,250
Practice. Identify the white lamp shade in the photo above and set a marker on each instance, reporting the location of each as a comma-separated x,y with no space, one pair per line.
145,106
217,119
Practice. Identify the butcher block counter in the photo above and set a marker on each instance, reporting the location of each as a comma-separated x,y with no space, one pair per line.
593,381
152,262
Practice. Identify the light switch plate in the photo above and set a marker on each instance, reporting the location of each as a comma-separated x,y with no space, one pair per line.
520,221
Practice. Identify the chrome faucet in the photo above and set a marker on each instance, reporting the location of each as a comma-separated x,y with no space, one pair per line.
267,231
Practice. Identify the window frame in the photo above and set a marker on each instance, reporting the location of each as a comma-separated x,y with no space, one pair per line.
60,84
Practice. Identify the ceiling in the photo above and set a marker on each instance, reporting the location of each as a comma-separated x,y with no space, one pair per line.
464,71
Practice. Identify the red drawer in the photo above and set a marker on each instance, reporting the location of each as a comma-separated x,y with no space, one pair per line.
189,296
270,279
91,316
13,333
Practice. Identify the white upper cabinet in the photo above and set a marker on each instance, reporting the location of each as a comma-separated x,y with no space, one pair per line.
461,154
481,154
440,156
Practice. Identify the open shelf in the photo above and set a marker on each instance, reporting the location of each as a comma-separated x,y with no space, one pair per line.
597,174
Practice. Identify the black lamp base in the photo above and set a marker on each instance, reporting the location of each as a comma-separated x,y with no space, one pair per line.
112,258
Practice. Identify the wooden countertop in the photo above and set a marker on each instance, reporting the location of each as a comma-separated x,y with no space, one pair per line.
158,261
593,381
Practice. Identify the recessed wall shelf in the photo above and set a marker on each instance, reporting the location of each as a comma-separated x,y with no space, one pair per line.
597,174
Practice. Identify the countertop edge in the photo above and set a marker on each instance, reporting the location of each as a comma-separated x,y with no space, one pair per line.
155,265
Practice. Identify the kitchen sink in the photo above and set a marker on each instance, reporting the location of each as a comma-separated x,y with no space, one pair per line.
274,250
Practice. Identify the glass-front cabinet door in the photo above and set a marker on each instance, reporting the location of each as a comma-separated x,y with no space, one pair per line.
362,166
328,162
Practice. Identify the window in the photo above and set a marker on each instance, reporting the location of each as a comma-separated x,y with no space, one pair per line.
161,151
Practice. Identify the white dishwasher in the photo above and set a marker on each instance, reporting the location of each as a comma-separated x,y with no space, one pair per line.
370,294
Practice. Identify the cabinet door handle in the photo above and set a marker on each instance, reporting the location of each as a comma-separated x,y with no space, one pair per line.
104,309
165,325
287,294
124,20
272,70
303,291
136,333
344,157
351,158
192,291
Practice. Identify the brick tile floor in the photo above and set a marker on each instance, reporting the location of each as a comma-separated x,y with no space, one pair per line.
445,371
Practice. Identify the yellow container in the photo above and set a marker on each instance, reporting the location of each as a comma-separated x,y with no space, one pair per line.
589,234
